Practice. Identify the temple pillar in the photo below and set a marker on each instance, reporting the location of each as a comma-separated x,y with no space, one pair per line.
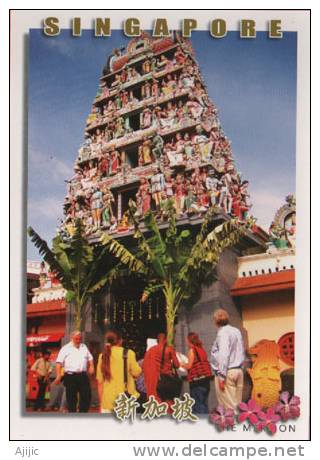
90,330
119,206
200,318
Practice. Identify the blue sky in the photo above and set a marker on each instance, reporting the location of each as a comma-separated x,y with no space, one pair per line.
252,82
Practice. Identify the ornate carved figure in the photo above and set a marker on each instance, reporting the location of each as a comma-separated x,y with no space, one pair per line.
107,213
96,206
226,199
104,165
146,66
179,194
282,229
212,185
157,143
143,197
157,187
145,156
155,88
114,162
146,118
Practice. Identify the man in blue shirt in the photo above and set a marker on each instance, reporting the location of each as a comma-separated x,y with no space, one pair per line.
227,358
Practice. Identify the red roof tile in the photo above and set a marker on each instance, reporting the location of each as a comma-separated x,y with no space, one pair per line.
49,307
264,283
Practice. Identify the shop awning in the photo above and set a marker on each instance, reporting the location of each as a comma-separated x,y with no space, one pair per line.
276,281
37,339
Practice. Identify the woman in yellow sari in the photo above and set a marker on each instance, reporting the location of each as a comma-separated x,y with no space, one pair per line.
111,374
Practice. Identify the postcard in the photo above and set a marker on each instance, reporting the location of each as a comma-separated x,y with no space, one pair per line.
163,160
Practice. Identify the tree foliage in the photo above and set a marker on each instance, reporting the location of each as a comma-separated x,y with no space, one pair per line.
81,267
174,260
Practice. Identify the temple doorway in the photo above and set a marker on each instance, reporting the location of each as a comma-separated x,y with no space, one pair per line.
135,321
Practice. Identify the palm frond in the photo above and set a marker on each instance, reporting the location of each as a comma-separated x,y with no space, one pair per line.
149,290
99,270
81,250
122,254
206,252
157,253
50,257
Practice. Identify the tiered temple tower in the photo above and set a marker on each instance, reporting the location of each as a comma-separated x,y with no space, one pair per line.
153,134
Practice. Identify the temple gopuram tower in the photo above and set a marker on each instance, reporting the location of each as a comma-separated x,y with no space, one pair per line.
153,134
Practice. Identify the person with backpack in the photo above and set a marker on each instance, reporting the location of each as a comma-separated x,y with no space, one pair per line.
199,373
117,370
160,366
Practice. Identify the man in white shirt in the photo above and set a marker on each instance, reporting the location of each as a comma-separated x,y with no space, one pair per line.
77,362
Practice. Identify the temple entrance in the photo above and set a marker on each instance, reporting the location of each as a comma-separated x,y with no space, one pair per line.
135,320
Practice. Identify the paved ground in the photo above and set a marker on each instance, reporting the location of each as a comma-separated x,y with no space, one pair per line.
47,411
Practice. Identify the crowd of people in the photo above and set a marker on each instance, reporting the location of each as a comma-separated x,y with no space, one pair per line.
118,371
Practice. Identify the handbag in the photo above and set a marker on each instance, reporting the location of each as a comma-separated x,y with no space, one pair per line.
125,372
169,386
202,379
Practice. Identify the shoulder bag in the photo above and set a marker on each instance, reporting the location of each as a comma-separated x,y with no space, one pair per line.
169,386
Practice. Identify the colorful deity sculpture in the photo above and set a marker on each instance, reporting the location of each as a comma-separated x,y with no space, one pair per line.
146,66
179,194
116,53
157,187
187,81
155,88
179,56
168,186
120,127
157,143
104,165
143,197
194,107
191,198
114,162
144,152
170,153
107,213
239,208
188,147
96,207
218,162
212,185
225,200
146,118
124,98
123,225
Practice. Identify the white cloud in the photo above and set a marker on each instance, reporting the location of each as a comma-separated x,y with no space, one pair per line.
49,167
48,208
62,46
266,204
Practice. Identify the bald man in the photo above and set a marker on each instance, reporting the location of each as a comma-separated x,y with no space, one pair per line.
77,362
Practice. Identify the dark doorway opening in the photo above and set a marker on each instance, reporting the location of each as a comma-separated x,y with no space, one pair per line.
135,321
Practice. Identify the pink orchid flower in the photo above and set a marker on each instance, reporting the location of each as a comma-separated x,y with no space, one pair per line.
222,417
250,411
288,407
268,420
